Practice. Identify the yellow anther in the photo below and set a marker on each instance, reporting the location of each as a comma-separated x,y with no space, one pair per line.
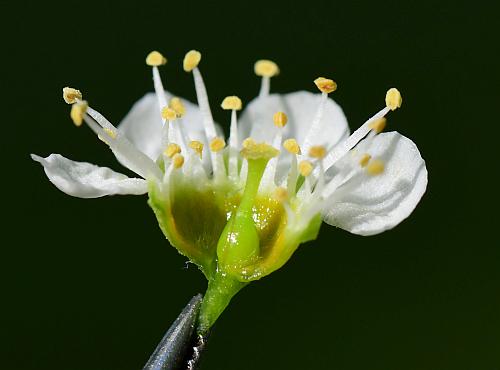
317,151
375,167
178,160
172,149
292,146
191,60
266,68
169,114
111,133
325,85
280,119
155,59
177,105
197,146
78,111
255,150
71,95
217,144
231,103
281,194
365,158
248,142
393,99
379,125
305,168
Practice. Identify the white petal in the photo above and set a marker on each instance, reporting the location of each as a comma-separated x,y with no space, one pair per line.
86,180
368,205
143,125
300,107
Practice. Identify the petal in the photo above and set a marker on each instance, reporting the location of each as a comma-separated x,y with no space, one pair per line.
368,205
86,180
143,125
300,107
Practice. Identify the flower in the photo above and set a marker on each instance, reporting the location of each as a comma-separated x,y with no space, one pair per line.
239,209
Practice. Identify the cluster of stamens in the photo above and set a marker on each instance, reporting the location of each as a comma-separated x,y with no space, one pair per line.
308,160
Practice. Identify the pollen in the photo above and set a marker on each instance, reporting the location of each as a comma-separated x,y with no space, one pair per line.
281,194
110,133
178,160
78,111
393,99
317,151
280,119
191,60
169,114
325,85
259,151
155,59
248,142
197,146
177,105
231,103
379,125
172,150
217,144
266,68
71,95
376,167
365,158
305,168
292,146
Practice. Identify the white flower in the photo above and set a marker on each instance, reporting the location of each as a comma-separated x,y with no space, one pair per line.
365,182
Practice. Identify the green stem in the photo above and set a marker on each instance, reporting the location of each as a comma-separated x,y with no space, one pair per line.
221,288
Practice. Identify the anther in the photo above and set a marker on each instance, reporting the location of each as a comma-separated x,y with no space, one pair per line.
375,167
292,146
325,85
71,95
191,60
78,111
178,161
155,59
365,158
172,150
197,146
231,103
379,125
317,151
393,99
177,105
217,144
305,168
266,68
280,119
169,114
281,194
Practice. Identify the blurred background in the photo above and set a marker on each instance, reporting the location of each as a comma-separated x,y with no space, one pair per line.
93,284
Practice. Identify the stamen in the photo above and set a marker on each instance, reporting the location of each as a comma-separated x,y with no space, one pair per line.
217,144
78,111
177,105
71,95
265,69
376,167
317,151
365,158
325,85
234,104
292,146
305,168
191,60
281,194
169,114
172,150
155,59
379,125
178,161
197,146
280,119
174,131
393,99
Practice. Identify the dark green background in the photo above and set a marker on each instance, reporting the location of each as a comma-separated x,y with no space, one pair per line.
93,284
